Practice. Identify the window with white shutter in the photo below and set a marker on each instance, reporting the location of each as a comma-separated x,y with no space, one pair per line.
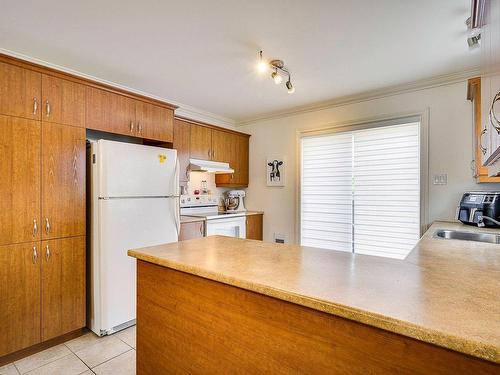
360,190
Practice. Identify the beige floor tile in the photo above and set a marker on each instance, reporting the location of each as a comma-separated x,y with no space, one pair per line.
9,369
87,373
124,364
40,359
102,350
83,341
69,365
127,336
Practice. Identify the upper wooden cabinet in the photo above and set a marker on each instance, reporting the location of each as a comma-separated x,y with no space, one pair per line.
201,142
238,146
154,122
20,92
19,180
63,101
119,114
222,146
63,181
109,112
19,296
182,140
63,286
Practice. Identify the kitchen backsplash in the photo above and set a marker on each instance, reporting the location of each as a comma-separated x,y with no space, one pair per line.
196,178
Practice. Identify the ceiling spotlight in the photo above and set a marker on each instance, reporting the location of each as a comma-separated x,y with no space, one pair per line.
276,77
289,86
279,71
262,66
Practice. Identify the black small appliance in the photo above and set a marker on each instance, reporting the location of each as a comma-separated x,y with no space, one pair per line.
480,208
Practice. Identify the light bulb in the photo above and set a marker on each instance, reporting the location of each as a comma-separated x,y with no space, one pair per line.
262,66
276,77
290,87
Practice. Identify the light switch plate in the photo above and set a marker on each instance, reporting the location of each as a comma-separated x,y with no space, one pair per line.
440,179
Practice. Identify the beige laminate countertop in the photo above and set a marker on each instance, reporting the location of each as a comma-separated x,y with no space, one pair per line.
446,292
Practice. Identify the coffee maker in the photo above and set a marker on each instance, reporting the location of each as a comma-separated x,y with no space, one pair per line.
234,201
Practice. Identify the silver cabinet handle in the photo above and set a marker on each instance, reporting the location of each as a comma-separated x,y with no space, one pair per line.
201,229
35,228
131,126
494,121
35,106
209,153
483,149
47,108
47,252
139,127
47,225
35,255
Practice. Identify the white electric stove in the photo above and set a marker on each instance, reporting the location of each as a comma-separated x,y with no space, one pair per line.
218,222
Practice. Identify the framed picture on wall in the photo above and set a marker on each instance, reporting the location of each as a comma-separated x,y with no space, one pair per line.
275,171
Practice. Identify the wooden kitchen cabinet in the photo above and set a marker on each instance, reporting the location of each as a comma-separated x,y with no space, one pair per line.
20,92
19,296
63,286
238,160
481,142
109,112
154,122
182,140
223,146
201,142
19,180
192,230
63,181
63,101
254,226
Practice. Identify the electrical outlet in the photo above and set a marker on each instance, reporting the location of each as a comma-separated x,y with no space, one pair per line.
279,238
440,179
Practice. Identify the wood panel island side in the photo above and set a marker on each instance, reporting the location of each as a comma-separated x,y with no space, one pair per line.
218,305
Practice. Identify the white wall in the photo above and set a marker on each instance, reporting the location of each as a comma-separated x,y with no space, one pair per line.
450,151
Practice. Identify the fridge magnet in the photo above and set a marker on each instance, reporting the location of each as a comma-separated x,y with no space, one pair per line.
275,172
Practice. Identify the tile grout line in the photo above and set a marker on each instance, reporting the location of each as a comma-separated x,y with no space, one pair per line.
116,356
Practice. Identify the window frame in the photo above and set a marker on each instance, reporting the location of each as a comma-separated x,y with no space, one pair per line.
421,117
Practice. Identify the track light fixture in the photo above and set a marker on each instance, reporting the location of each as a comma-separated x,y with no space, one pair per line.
278,71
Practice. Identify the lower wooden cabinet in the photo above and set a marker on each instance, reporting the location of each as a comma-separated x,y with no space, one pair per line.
63,286
19,296
192,230
254,227
42,291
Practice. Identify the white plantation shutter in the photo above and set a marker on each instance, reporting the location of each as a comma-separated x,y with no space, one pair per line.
361,190
326,217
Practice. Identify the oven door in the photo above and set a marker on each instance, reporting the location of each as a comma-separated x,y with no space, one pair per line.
232,227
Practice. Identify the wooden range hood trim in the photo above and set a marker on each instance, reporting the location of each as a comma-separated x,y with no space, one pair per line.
82,80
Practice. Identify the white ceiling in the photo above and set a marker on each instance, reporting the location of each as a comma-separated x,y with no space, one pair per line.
203,53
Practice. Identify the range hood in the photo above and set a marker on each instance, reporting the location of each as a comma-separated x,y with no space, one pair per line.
209,166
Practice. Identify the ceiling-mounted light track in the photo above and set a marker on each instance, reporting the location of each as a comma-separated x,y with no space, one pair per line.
278,71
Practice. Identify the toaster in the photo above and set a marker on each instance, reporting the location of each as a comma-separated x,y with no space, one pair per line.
480,208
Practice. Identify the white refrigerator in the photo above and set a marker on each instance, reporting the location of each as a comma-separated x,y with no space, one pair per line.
134,202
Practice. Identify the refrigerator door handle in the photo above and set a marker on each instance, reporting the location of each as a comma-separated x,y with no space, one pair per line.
178,216
176,177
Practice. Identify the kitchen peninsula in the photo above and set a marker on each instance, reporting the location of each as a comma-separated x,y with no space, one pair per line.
228,305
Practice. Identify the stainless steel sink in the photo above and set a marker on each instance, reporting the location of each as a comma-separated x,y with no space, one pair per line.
467,236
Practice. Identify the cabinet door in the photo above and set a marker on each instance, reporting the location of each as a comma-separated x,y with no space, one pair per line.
63,286
154,122
254,227
63,101
222,144
201,142
19,180
20,92
192,230
109,112
63,180
241,177
181,143
19,296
